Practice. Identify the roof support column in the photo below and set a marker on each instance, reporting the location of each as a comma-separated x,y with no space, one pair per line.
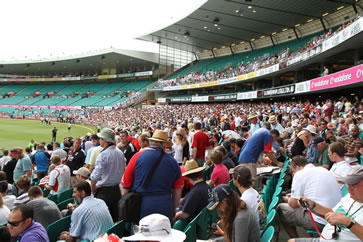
272,40
250,42
214,55
230,47
322,23
297,37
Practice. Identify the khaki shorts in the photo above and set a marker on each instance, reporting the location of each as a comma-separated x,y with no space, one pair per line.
296,217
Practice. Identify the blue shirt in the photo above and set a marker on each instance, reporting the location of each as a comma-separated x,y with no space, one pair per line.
24,164
312,154
110,166
254,146
88,156
41,160
35,232
90,219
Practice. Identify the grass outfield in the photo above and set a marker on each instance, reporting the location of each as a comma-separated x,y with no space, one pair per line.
18,132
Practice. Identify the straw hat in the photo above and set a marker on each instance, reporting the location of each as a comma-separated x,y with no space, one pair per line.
191,166
160,136
272,119
252,115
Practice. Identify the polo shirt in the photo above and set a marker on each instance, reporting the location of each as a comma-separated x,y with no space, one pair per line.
220,174
324,158
35,232
201,142
24,164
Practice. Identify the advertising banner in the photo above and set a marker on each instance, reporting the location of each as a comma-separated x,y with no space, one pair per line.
276,91
302,87
268,70
181,99
341,78
226,97
162,100
144,73
37,106
246,95
200,99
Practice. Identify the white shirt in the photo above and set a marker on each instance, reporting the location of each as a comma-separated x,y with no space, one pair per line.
340,170
3,161
4,213
343,206
60,179
255,202
9,201
317,184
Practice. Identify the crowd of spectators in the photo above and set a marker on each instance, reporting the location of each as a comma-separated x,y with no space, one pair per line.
260,62
324,140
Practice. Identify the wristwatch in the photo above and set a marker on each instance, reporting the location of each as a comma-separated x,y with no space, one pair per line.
352,222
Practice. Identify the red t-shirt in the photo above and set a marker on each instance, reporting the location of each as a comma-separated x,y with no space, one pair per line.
135,142
220,175
201,142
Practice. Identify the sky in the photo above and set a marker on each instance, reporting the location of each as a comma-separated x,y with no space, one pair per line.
45,29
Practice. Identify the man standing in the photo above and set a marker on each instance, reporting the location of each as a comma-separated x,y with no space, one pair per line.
58,151
69,127
96,146
255,124
200,144
315,183
23,228
260,141
59,177
23,166
54,134
5,159
90,219
163,190
41,159
126,146
75,159
108,172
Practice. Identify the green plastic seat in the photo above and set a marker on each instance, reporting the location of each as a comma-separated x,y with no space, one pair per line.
234,188
277,192
208,172
46,192
273,204
312,232
63,205
65,195
119,229
280,183
53,198
344,191
270,219
191,232
180,225
268,234
56,228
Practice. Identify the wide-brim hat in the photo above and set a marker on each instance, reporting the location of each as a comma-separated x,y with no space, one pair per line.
160,136
157,228
251,116
311,129
107,134
191,166
272,119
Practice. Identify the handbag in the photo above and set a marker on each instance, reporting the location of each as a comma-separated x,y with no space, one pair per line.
130,204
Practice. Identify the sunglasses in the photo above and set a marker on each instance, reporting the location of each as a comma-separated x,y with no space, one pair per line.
15,224
355,186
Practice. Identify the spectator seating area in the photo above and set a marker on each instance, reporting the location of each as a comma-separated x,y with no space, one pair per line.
99,94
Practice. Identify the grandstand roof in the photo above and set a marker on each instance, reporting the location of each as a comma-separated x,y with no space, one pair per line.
96,61
226,23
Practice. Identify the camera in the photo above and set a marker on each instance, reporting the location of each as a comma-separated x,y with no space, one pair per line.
304,204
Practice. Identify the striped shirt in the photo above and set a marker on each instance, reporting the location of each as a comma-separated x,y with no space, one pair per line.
90,219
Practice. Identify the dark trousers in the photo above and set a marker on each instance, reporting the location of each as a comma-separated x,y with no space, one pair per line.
111,196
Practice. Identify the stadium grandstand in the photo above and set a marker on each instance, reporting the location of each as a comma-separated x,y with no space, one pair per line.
251,111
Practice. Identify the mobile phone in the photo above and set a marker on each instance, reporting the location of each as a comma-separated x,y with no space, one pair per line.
304,204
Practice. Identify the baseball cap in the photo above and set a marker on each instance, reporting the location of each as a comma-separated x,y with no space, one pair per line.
219,193
83,171
354,176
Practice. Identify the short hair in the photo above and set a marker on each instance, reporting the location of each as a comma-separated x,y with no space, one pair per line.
23,182
338,148
55,159
5,234
240,143
299,160
2,176
124,132
56,144
83,186
275,132
197,125
3,186
243,176
216,157
35,192
28,150
26,211
221,149
5,152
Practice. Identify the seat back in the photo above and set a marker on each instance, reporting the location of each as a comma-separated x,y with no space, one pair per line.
53,198
119,229
65,195
273,204
63,205
56,228
268,234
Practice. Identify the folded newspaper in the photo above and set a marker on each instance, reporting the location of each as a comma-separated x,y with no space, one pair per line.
268,170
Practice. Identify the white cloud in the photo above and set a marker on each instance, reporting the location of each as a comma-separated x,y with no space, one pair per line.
40,29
